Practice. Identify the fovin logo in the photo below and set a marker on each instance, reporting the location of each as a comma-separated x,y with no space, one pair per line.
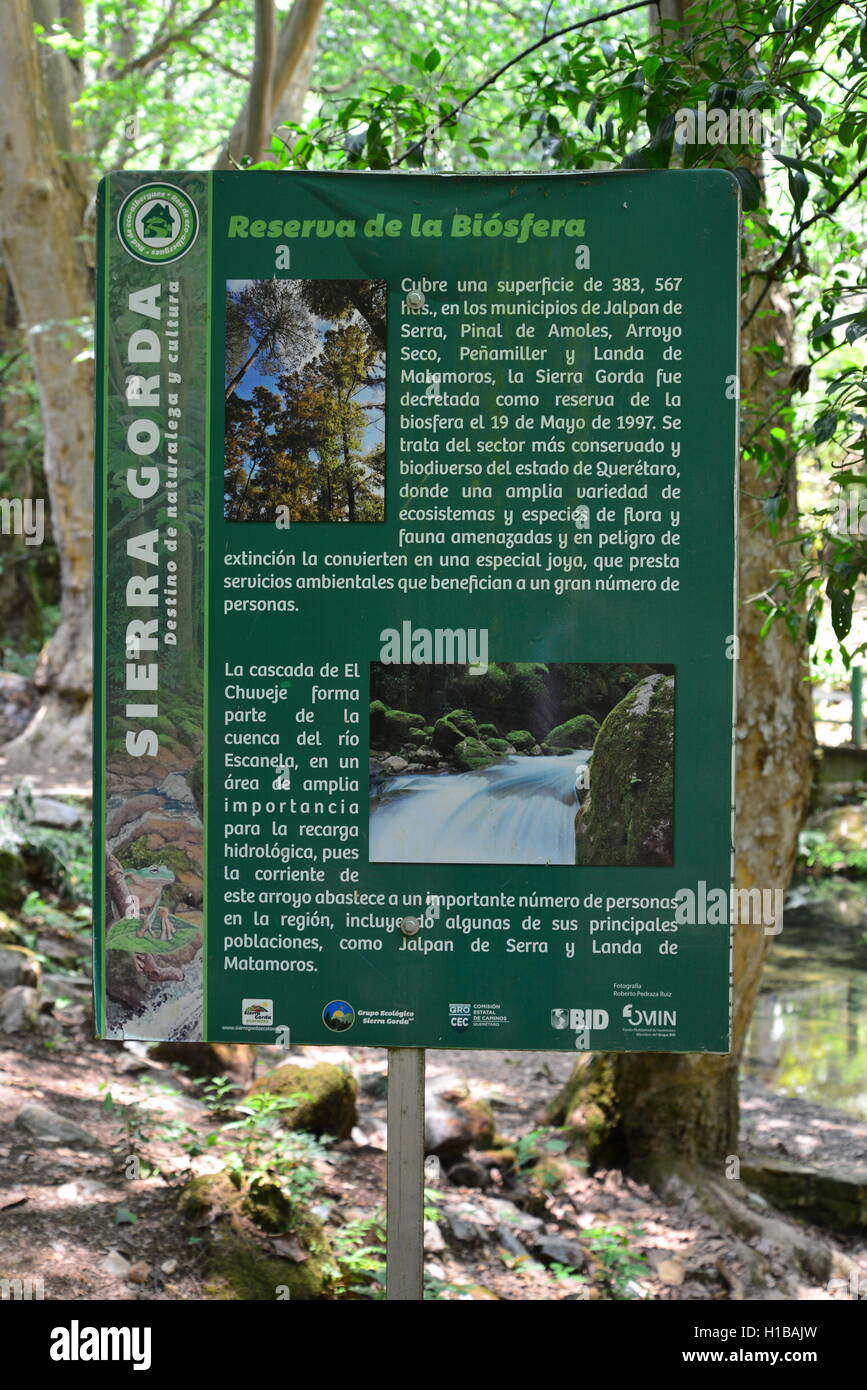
258,1012
158,223
77,1343
650,1018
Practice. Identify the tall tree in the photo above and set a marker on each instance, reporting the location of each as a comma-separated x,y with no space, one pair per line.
343,369
600,93
42,205
660,1114
294,50
279,331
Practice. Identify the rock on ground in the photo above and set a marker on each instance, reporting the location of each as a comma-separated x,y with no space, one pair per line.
326,1097
51,1128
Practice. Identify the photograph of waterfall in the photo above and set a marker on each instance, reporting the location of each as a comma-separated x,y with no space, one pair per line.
305,401
522,763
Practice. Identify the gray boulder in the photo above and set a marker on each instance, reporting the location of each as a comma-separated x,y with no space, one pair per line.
51,1128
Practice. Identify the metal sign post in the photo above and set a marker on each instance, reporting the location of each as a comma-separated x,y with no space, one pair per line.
404,1276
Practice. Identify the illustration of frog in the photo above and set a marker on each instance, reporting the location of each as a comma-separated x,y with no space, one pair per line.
146,887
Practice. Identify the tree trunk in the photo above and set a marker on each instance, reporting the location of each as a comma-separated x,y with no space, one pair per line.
260,97
243,370
40,225
296,45
655,1113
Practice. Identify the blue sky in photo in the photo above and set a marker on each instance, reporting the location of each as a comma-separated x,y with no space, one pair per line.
374,432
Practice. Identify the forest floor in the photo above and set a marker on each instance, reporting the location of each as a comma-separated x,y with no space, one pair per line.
98,1140
71,1216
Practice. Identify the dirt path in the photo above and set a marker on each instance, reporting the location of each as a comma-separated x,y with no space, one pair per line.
89,1221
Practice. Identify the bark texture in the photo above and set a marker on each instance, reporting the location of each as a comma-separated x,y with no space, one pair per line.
293,60
42,204
654,1113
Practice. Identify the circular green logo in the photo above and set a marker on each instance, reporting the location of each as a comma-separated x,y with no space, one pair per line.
158,223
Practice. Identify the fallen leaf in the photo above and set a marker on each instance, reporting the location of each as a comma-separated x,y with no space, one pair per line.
290,1249
671,1271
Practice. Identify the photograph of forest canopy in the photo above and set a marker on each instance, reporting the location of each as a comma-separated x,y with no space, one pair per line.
305,400
528,763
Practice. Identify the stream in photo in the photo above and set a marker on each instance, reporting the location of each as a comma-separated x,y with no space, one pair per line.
808,1035
522,811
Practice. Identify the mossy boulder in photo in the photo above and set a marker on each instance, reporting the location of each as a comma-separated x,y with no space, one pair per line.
390,728
472,755
521,740
627,817
326,1097
579,732
462,719
499,746
487,731
446,737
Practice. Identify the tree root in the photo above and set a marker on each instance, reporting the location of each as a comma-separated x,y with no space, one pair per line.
775,1256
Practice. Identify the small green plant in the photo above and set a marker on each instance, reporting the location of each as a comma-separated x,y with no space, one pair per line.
537,1144
126,1118
359,1249
255,1146
619,1267
819,854
432,1200
566,1274
442,1290
218,1093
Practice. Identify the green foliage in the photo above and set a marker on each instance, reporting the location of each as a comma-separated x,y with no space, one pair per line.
256,1148
537,1144
400,88
298,448
818,854
615,95
618,1266
359,1250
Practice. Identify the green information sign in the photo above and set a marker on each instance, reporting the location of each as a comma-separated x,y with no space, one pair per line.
415,539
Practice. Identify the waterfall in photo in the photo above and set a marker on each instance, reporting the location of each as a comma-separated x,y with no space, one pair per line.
522,811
